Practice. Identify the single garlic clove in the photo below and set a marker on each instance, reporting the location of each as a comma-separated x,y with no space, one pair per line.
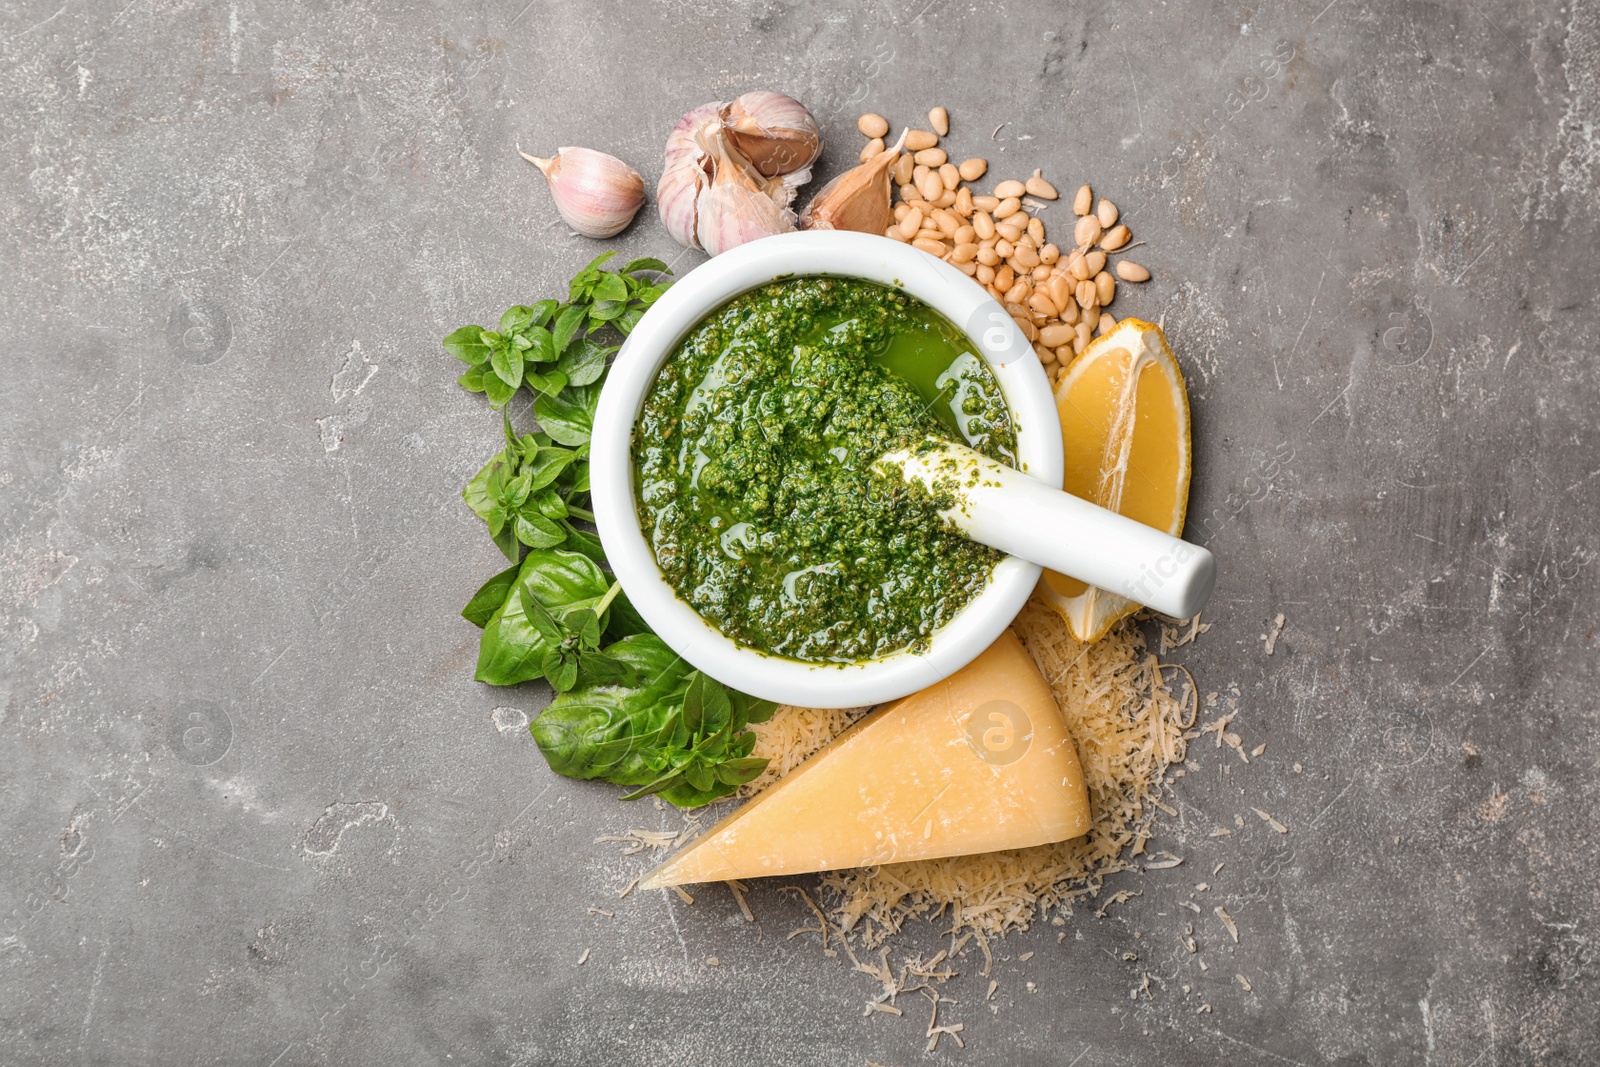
858,199
773,131
735,207
597,195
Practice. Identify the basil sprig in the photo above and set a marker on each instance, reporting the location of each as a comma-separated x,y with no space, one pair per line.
630,711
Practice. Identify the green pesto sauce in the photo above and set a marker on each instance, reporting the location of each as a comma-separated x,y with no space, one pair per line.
754,468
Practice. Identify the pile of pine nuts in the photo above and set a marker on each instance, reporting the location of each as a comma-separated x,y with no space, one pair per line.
1056,298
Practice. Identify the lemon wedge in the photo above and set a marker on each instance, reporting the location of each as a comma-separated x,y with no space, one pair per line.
1125,429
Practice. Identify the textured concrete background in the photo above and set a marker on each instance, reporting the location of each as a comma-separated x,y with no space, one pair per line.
254,810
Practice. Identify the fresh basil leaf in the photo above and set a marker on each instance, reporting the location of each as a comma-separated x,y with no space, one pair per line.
472,380
606,310
684,795
628,320
480,493
549,504
602,730
507,363
545,465
625,619
569,417
565,676
521,342
496,389
548,382
467,345
517,317
636,265
580,540
716,708
746,707
566,323
487,600
541,345
740,771
700,776
611,287
542,310
536,531
584,361
512,645
506,541
694,701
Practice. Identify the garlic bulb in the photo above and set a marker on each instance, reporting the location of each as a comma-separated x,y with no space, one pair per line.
735,207
858,199
774,132
730,170
597,195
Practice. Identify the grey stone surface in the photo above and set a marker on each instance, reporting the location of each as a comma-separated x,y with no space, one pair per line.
254,809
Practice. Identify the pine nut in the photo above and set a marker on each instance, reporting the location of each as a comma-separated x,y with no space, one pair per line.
1019,292
1056,335
964,202
1091,315
1009,230
932,247
939,119
1046,355
1094,262
1105,287
1107,321
1036,231
950,176
1069,310
894,231
988,256
872,125
908,191
1077,268
1040,302
966,234
1005,248
1027,258
1082,333
1005,278
1037,186
1106,213
1086,294
1009,188
911,223
917,140
901,210
902,169
1115,238
946,198
984,225
985,274
1049,254
986,203
968,268
1042,273
930,232
1086,232
947,221
1029,330
1007,207
964,253
873,147
1083,201
931,157
973,169
930,186
1129,271
1064,352
1060,286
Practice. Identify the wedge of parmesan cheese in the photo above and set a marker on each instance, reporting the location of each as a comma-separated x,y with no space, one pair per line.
978,763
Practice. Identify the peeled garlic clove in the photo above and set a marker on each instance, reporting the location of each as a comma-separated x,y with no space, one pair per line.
597,195
858,199
774,132
735,208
